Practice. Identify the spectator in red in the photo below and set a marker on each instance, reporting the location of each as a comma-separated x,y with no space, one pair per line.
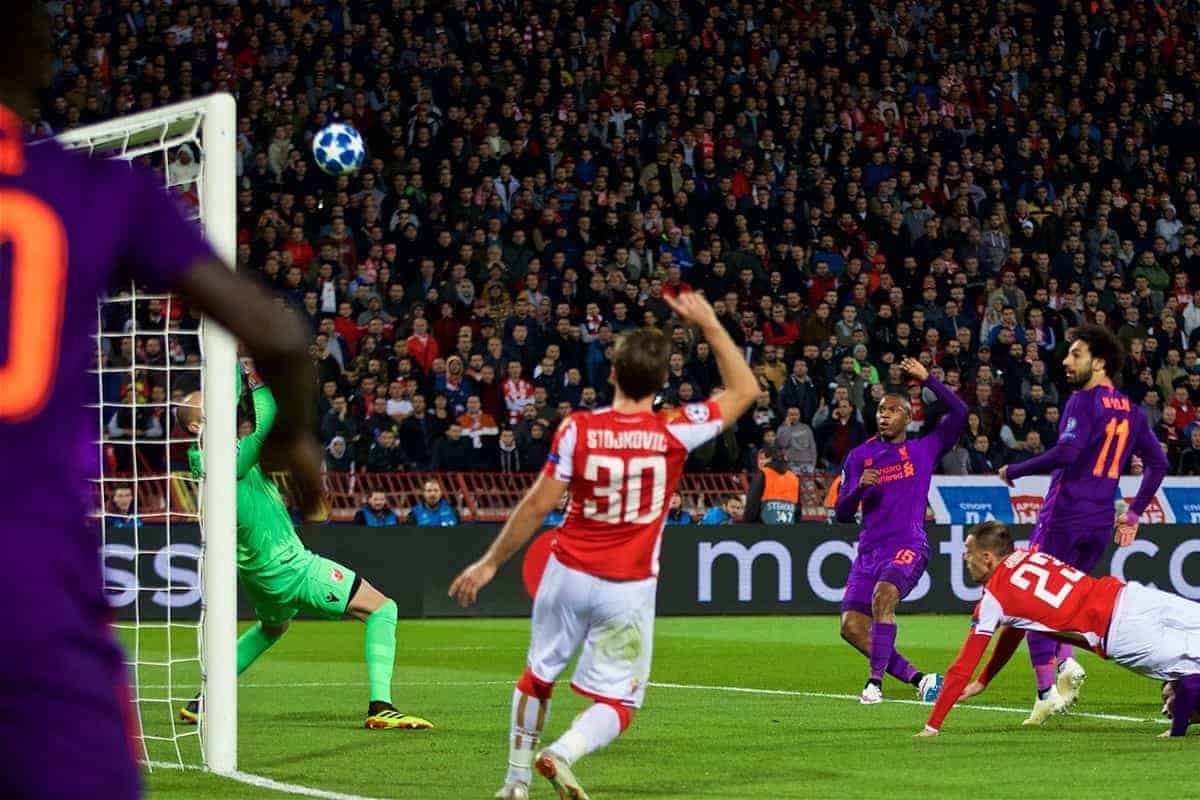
302,252
1185,410
422,348
780,330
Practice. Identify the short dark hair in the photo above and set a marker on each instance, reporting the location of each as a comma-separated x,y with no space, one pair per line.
1104,345
641,361
993,537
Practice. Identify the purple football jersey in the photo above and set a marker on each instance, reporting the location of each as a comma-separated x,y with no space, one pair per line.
70,226
1100,430
894,508
76,225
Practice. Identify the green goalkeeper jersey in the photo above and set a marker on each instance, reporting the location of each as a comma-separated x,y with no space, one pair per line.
267,540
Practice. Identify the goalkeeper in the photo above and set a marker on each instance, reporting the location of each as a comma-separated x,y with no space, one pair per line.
281,577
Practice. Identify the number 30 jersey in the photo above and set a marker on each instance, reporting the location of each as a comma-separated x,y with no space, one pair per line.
622,470
1037,592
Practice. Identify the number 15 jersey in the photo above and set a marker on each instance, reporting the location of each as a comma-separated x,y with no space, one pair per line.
622,470
1037,592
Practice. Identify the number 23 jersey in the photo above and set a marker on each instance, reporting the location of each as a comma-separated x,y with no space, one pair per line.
622,470
1037,592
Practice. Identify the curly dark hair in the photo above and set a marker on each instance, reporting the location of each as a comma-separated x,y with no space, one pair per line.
1104,346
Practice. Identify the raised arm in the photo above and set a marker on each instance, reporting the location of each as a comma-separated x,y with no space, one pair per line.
740,385
265,413
954,421
278,342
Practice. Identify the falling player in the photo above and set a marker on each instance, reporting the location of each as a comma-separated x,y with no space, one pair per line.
1099,431
281,577
597,592
889,475
70,227
1147,631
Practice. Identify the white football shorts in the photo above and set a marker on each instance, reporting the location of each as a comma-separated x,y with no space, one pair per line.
1155,633
613,621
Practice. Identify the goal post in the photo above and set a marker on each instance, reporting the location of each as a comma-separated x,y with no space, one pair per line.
163,677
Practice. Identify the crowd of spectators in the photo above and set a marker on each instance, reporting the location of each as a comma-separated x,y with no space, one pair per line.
850,182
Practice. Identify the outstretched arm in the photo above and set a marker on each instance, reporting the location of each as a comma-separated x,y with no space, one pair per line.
541,499
1006,644
278,341
1065,451
265,411
957,677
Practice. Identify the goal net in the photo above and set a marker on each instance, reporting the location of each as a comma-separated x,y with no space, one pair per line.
169,539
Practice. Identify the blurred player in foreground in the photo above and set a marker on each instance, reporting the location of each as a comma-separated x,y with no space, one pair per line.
1100,430
70,227
1149,632
597,593
281,577
889,475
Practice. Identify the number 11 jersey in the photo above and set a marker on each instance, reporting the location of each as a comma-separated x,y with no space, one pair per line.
1110,429
622,470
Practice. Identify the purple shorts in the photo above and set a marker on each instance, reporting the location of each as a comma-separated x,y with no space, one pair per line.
899,565
1080,548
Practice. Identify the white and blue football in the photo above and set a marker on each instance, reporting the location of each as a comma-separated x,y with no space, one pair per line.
339,149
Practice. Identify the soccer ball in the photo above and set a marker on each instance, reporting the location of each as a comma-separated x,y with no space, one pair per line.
339,149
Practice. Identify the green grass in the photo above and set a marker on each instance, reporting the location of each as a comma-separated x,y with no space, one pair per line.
302,706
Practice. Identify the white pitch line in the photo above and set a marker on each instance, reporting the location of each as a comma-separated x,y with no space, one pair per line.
307,791
262,782
832,696
696,687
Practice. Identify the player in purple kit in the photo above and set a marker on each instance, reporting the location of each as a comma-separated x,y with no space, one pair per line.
1100,429
889,475
69,228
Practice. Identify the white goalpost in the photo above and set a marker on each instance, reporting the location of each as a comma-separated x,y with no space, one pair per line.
175,590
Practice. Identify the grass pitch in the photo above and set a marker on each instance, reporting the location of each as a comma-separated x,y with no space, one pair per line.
759,707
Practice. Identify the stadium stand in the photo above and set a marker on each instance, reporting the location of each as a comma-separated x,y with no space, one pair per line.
850,181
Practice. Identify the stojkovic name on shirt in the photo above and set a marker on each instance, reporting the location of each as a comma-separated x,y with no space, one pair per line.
603,439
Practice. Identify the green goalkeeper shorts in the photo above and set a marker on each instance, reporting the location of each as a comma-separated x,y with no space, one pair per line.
308,583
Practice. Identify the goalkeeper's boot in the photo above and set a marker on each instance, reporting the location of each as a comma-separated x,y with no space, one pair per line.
1071,676
1051,703
381,716
929,688
513,791
556,770
190,714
